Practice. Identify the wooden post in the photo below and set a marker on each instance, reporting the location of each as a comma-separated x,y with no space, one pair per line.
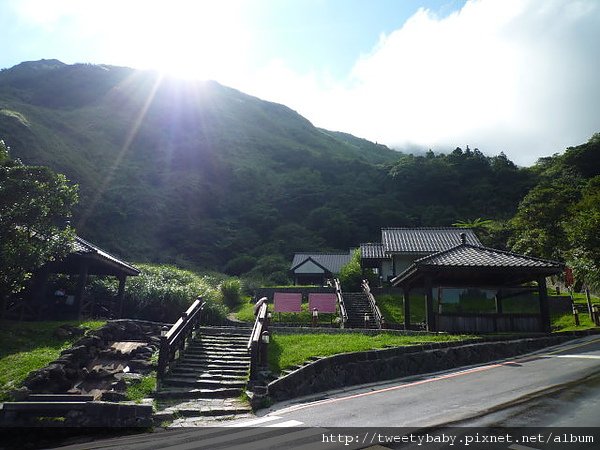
81,281
589,302
121,294
406,299
544,309
39,302
499,302
429,312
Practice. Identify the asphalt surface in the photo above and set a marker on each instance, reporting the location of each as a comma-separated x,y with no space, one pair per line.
454,396
559,386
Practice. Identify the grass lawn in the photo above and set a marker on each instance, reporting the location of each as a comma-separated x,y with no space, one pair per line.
566,322
392,308
245,312
27,346
288,350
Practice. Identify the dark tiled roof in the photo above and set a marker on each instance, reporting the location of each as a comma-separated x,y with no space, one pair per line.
425,240
333,262
467,255
481,260
372,250
83,247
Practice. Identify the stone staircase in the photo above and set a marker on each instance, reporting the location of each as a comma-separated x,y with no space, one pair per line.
208,380
357,305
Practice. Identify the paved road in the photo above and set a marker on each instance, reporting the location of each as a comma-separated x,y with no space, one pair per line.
502,393
452,396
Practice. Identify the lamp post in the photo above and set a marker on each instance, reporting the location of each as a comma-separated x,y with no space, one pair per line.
366,321
315,317
265,338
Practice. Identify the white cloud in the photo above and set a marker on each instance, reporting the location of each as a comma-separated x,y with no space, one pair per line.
517,76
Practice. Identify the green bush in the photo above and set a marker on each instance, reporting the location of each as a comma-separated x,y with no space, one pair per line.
351,275
161,293
231,292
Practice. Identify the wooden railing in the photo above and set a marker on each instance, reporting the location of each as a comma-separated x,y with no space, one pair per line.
259,340
174,341
376,312
340,301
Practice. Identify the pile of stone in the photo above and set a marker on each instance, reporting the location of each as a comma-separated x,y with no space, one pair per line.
100,363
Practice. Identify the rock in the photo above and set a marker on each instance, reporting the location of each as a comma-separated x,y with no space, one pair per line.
20,394
112,396
132,376
56,371
90,341
62,333
119,385
140,364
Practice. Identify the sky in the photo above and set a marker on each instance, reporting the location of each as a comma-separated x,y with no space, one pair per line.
518,76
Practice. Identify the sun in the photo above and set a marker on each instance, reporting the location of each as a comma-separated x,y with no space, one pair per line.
188,39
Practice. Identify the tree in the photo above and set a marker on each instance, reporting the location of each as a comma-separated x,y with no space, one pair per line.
35,205
352,274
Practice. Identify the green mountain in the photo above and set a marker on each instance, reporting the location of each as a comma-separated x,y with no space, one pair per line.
201,174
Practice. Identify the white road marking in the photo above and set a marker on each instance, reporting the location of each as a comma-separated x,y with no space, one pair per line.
287,423
254,422
573,356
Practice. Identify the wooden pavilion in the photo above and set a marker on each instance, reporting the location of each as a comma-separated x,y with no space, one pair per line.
86,259
448,277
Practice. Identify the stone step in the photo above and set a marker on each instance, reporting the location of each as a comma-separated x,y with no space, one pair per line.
199,383
237,375
228,340
222,351
220,356
225,331
221,370
207,366
223,361
226,346
204,407
173,393
217,356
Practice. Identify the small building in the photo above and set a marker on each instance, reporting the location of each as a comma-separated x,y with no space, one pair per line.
475,289
400,247
317,268
84,260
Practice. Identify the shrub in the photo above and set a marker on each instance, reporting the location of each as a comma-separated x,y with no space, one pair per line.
351,275
161,293
231,292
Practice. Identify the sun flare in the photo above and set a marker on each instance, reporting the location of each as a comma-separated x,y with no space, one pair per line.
189,39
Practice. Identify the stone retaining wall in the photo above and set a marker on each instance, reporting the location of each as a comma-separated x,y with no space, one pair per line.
378,365
333,330
304,290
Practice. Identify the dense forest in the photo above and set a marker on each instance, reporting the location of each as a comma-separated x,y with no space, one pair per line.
204,176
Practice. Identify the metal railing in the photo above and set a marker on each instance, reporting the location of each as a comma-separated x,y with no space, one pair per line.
259,340
379,320
174,341
340,301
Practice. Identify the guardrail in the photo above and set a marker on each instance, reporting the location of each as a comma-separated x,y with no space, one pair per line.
379,320
340,301
174,340
259,339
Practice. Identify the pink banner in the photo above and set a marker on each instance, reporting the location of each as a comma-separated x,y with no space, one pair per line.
325,303
287,302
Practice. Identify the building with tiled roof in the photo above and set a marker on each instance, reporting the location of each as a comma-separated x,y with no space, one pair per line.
400,247
316,268
452,279
85,259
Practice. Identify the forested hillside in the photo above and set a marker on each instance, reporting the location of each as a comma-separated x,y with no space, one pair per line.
560,217
202,175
